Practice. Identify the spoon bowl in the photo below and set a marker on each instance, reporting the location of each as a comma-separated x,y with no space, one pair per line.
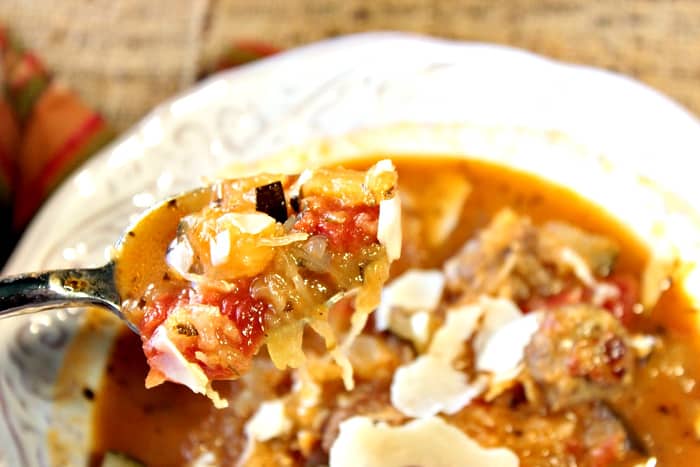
137,260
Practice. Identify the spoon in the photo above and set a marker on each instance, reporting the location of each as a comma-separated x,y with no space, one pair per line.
138,260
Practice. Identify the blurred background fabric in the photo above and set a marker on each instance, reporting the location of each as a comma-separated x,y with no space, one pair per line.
125,56
75,73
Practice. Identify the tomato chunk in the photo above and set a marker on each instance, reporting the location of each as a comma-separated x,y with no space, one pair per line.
246,313
347,228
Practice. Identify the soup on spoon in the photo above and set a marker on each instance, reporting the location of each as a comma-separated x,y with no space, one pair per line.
209,277
264,257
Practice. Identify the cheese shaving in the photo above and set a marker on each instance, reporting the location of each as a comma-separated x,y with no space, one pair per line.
220,248
420,327
428,442
389,232
497,313
430,384
414,290
180,256
269,422
503,352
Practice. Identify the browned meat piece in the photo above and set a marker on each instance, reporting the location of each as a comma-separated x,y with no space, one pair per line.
601,439
580,354
515,259
501,260
588,435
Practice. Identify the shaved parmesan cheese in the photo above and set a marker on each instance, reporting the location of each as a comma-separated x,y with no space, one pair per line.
180,256
430,384
220,248
415,290
429,442
459,326
295,189
503,352
389,227
178,369
246,222
420,327
497,313
269,422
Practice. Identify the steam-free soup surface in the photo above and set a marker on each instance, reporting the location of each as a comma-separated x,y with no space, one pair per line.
169,425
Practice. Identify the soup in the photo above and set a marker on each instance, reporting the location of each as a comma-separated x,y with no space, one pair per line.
258,261
536,350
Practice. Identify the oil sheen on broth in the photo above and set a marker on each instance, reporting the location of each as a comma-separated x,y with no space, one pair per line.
164,425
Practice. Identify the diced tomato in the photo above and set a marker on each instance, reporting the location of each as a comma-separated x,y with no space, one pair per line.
155,313
346,228
249,316
247,313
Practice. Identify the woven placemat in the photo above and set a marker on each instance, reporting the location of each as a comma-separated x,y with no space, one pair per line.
125,56
122,56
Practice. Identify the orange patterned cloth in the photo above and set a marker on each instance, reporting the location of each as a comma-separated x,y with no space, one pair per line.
46,130
50,131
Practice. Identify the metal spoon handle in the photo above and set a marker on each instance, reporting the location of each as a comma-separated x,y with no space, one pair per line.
32,292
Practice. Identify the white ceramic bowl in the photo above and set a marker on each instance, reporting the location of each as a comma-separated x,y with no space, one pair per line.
589,129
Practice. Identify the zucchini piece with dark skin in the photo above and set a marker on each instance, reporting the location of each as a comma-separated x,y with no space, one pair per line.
270,200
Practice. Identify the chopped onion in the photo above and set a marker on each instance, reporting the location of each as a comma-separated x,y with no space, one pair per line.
269,422
427,441
180,256
284,240
313,254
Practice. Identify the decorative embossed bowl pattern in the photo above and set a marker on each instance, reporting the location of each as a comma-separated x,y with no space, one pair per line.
435,96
